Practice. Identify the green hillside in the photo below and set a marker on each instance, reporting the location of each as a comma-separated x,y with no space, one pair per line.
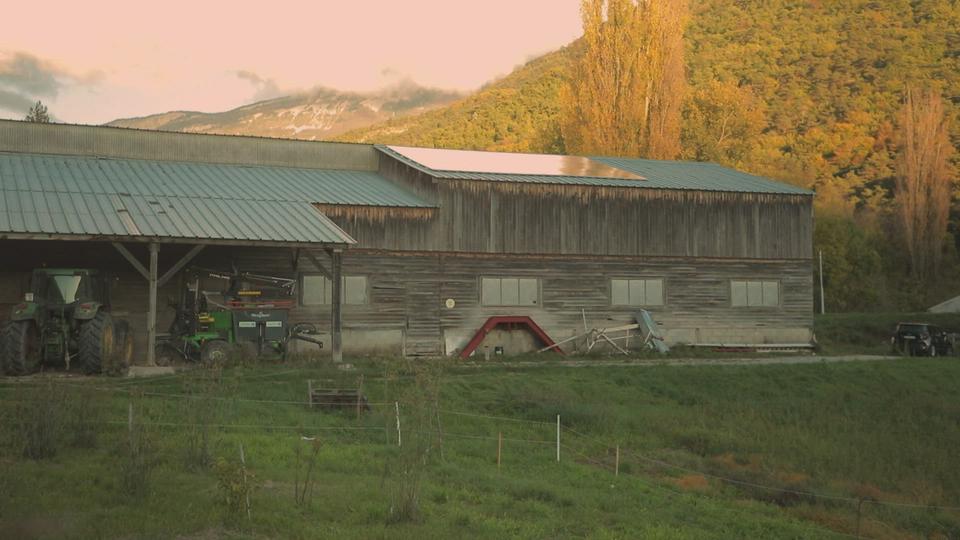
800,91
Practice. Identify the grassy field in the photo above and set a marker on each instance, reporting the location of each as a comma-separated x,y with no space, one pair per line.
885,430
846,333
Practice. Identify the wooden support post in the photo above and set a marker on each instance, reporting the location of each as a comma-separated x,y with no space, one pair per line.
616,464
499,448
336,301
152,313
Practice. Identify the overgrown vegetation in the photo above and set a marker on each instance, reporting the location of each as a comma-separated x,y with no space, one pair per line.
886,430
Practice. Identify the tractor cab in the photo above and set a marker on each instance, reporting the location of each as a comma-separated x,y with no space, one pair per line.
55,287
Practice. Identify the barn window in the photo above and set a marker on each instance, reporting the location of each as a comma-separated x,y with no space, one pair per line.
636,292
754,293
509,291
316,290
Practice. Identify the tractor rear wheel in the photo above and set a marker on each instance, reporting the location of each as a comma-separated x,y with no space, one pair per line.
97,343
123,349
20,348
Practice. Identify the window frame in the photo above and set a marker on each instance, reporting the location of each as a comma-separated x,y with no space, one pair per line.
343,301
539,291
762,282
628,279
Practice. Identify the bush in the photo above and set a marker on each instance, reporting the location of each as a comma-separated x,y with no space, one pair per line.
236,484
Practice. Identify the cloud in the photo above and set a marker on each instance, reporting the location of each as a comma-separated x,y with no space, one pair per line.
24,79
263,88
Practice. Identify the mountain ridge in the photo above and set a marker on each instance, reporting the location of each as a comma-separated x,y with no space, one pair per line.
318,114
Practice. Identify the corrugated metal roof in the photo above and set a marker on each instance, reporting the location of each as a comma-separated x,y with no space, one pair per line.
56,213
87,196
681,175
700,176
78,174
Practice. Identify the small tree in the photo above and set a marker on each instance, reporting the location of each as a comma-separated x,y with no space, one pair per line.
38,113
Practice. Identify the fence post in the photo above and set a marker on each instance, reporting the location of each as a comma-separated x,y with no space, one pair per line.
243,469
359,393
616,466
439,432
558,438
499,448
396,404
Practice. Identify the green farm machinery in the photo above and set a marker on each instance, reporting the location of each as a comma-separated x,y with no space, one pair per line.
249,315
64,318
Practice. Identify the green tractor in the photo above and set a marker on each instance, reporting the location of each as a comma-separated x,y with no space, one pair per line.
65,317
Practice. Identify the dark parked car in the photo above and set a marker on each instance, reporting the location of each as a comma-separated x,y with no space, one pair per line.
921,339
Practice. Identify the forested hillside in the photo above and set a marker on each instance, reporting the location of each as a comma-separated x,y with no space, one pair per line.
801,91
515,114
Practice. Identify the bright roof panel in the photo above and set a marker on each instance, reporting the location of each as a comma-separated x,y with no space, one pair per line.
511,163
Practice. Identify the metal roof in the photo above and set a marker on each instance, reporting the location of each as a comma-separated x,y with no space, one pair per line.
680,175
84,174
91,197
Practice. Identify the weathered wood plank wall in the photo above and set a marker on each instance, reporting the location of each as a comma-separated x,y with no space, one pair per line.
498,217
407,292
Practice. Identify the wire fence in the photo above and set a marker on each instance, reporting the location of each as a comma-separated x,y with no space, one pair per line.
565,441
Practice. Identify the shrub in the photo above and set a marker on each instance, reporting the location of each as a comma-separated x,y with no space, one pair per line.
236,484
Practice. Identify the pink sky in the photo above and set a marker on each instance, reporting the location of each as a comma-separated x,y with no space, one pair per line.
95,61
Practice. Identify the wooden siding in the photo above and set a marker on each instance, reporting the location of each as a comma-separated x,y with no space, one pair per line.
492,217
408,291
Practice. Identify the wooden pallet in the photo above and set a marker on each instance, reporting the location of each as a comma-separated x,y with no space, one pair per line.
336,398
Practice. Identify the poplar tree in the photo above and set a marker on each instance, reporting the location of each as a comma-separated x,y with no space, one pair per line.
924,180
626,91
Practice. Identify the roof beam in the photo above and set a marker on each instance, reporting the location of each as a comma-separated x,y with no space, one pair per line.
180,264
137,265
316,262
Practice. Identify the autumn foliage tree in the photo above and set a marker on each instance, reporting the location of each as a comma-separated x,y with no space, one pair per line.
923,181
626,91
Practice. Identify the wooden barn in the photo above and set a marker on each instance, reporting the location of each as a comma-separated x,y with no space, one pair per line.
425,245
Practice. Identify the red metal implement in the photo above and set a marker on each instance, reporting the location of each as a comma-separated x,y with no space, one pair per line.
493,322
